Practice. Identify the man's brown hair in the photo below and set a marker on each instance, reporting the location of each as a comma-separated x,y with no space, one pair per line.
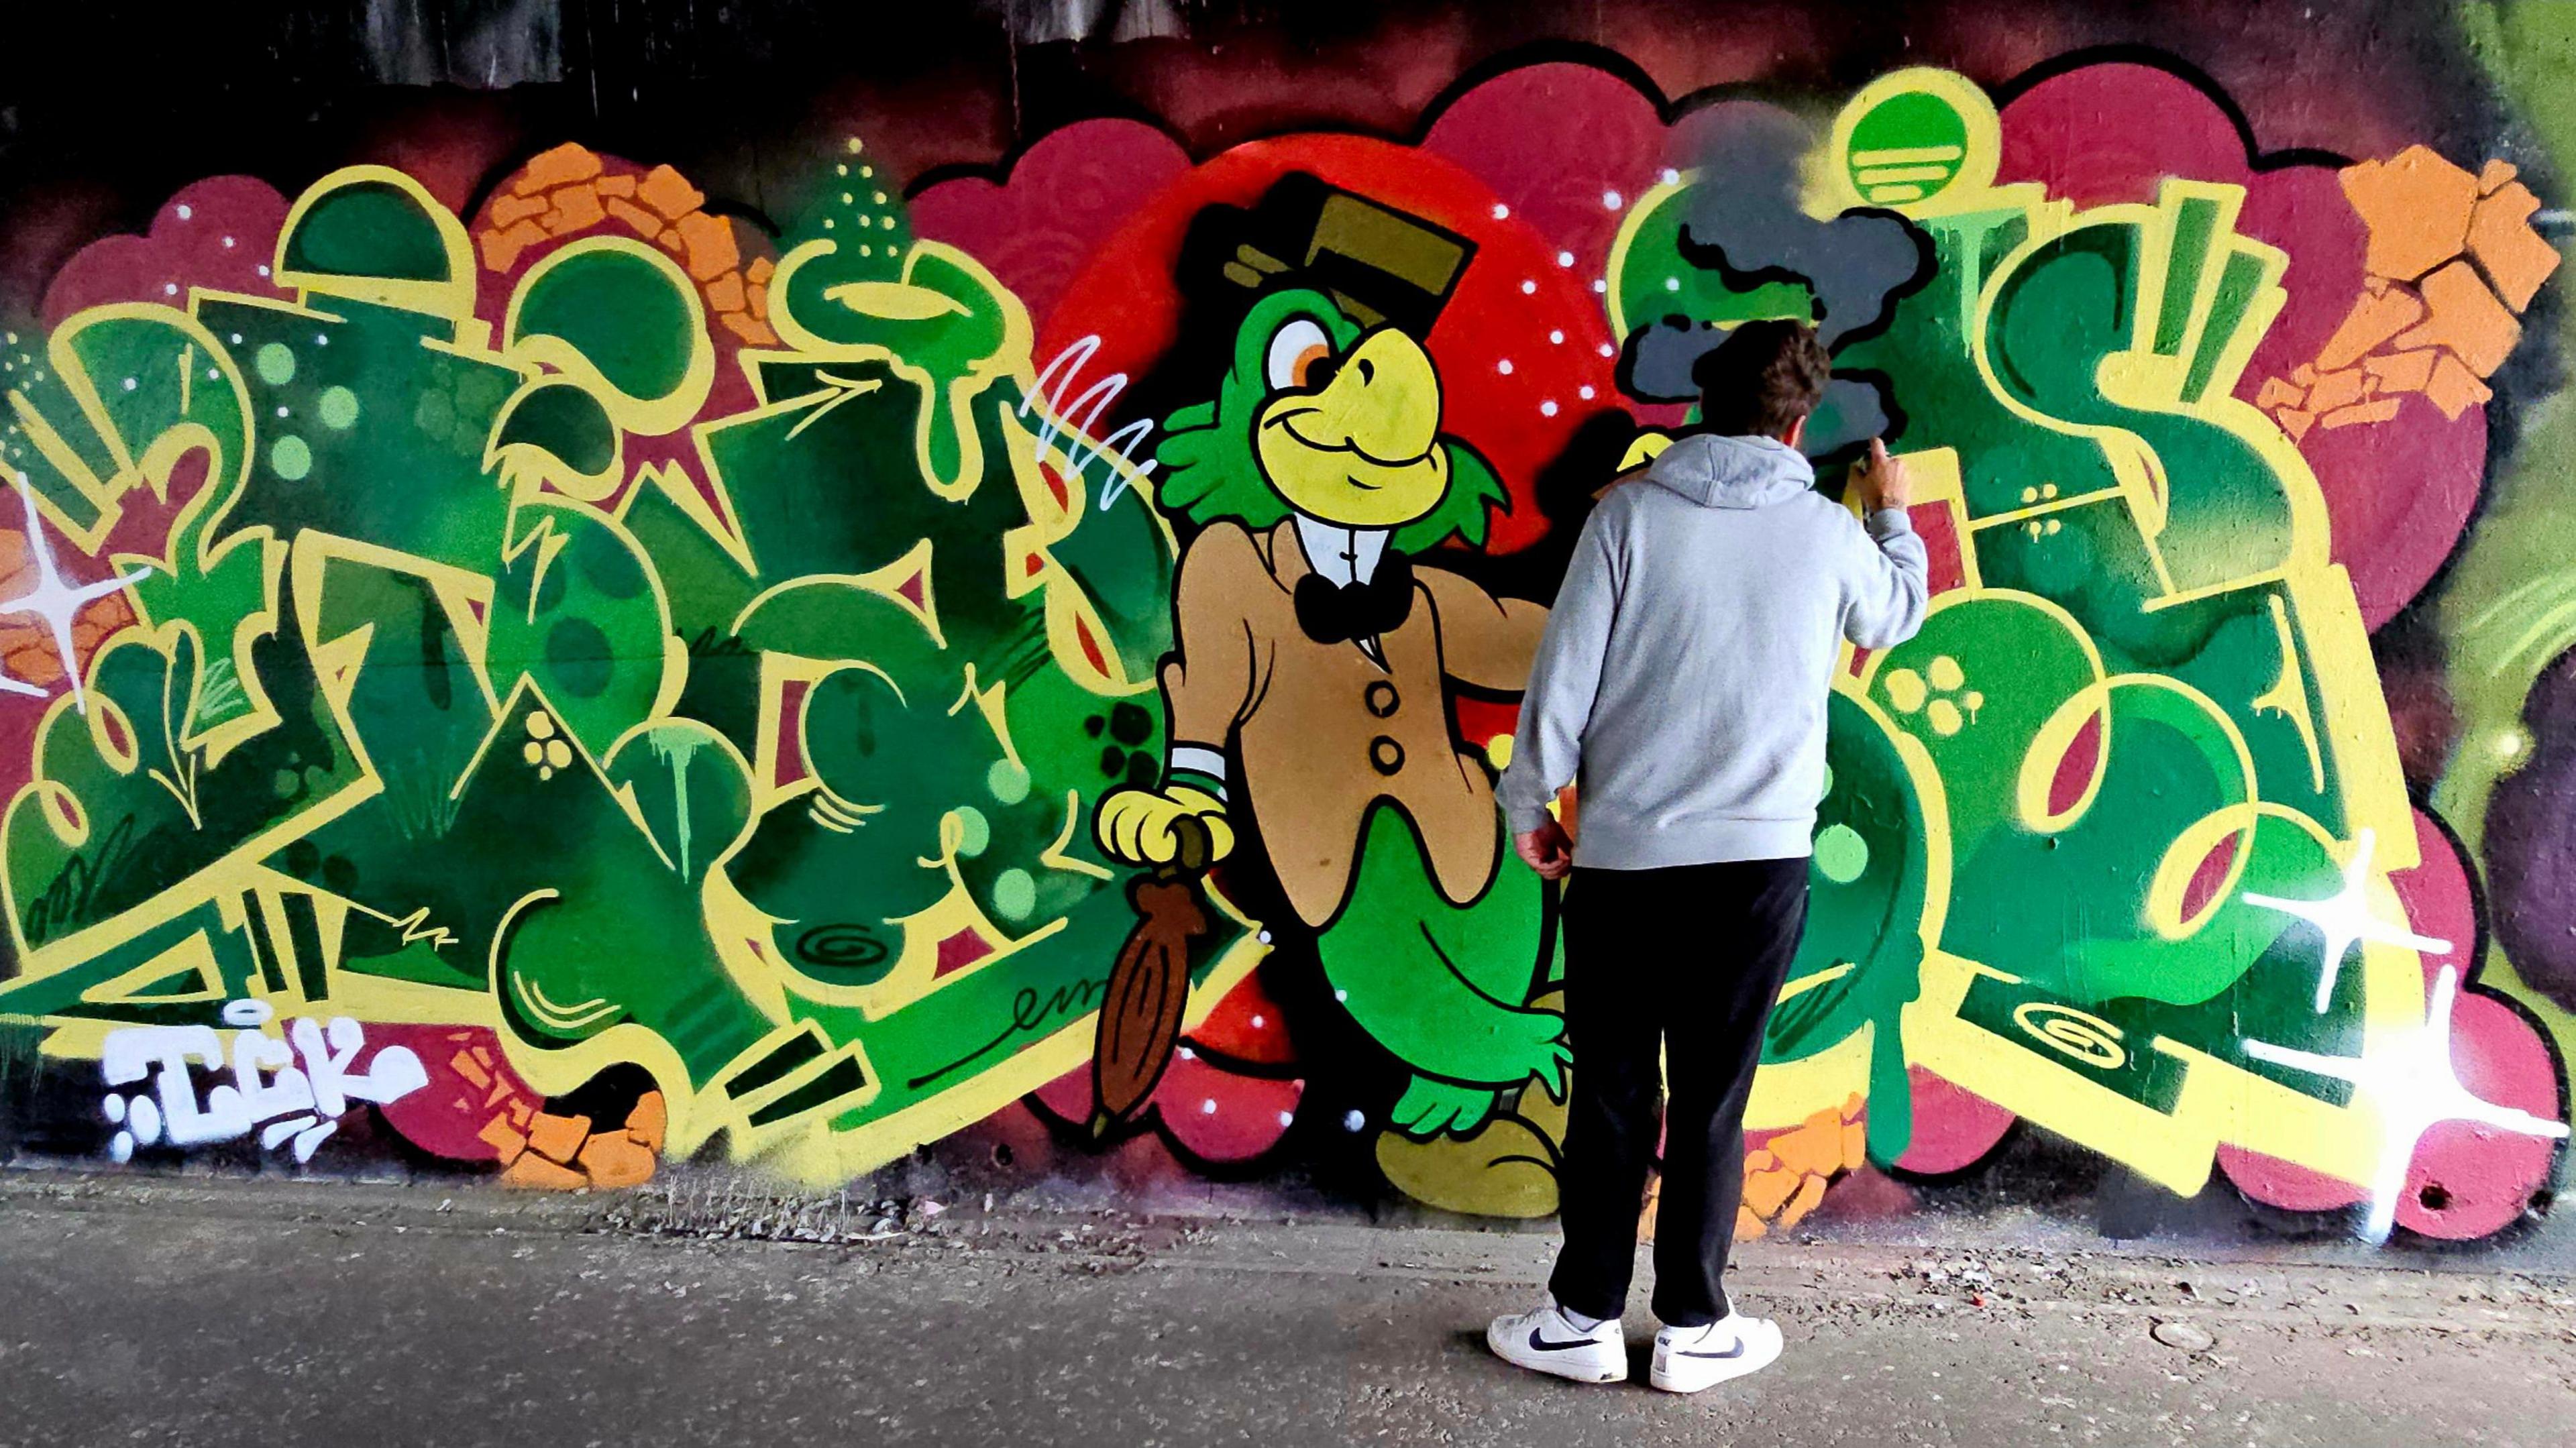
1761,379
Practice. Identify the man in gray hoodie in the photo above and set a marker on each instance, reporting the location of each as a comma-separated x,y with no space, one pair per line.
1681,687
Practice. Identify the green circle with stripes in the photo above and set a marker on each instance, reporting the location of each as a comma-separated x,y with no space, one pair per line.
1907,149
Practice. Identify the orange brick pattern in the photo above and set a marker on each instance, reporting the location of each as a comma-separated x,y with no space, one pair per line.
1785,1176
570,190
507,1100
27,650
2453,258
565,1153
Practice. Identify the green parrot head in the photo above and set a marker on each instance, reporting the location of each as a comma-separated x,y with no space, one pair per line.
1320,415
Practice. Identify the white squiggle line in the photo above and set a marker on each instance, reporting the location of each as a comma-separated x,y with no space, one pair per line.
1098,396
1132,435
1113,449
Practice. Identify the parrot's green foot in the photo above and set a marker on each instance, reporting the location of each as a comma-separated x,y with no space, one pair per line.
1429,1107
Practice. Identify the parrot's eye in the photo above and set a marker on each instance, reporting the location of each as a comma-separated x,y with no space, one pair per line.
1300,355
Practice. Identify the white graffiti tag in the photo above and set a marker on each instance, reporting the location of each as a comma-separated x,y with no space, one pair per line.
265,1088
1113,449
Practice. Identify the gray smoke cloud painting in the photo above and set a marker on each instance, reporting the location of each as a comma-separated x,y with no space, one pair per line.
1746,225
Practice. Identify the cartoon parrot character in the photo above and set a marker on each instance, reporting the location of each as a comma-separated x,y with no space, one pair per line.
1318,651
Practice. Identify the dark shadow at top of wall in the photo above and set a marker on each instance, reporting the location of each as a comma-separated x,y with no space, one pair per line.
108,106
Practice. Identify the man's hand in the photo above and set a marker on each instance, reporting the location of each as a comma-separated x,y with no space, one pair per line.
1546,850
1881,480
1135,825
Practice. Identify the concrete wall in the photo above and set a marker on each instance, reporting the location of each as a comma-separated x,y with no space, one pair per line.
580,584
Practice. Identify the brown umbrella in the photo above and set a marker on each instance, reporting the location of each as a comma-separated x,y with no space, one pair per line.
1149,986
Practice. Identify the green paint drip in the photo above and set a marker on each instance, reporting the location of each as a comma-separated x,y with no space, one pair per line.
1890,1128
678,750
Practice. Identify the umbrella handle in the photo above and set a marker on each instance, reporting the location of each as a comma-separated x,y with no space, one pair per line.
1192,847
1148,989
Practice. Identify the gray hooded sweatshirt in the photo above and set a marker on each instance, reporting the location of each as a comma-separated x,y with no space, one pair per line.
1682,682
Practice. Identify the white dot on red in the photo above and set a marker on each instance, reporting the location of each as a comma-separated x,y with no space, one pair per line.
1259,1021
1557,336
1565,258
1528,286
1613,200
1547,408
1207,1107
1504,367
1584,392
1501,211
1607,350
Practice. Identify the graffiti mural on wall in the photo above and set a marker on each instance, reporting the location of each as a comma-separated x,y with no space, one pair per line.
591,681
513,660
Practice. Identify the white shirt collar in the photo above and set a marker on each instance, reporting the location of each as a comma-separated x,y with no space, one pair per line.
1342,555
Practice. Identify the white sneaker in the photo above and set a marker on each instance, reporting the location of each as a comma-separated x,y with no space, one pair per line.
1688,1359
1543,1341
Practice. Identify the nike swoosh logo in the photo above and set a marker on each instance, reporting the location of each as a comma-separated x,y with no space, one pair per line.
1543,1345
1736,1351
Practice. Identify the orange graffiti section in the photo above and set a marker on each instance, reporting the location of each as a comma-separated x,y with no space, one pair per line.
1787,1172
28,651
565,1153
571,190
2452,260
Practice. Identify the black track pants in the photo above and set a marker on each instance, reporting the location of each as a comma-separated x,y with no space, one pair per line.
1688,960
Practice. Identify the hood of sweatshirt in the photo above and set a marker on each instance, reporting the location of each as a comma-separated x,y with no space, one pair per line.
1732,472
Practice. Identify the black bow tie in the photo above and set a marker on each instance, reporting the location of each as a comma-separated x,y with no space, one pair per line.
1333,613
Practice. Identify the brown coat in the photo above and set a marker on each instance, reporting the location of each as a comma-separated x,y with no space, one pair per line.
1324,731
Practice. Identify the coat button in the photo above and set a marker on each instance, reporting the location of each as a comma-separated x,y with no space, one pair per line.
1380,699
1385,755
